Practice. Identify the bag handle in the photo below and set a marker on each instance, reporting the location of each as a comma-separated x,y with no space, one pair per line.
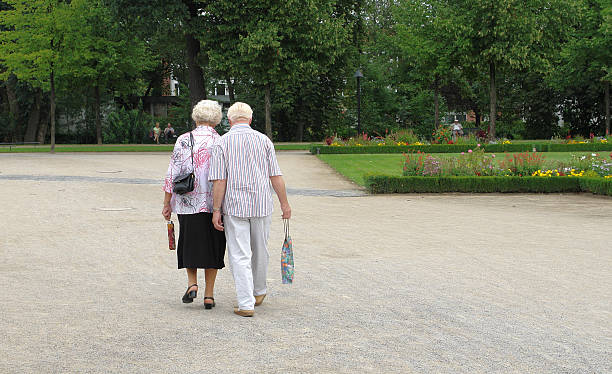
191,148
286,224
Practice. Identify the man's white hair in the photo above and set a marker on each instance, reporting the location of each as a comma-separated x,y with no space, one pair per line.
239,110
207,111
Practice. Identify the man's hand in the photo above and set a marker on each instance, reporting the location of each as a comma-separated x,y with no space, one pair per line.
217,221
286,211
167,212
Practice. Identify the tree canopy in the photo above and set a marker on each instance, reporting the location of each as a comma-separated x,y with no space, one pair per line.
520,67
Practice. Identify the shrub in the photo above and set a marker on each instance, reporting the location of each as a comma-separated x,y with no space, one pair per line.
475,184
126,126
403,136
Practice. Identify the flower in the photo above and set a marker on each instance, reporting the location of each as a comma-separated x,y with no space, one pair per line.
478,145
493,155
469,151
464,153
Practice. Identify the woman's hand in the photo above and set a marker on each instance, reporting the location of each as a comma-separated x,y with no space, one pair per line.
167,212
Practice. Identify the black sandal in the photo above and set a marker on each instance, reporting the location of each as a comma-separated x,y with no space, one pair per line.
209,305
190,295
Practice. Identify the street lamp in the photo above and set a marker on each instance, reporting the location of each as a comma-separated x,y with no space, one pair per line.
358,75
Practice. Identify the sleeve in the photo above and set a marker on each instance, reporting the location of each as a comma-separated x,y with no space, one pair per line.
218,169
173,168
273,167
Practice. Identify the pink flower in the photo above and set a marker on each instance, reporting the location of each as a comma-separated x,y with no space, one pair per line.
493,156
470,151
478,145
464,153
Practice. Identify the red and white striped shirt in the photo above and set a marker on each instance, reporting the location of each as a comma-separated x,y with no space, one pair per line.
246,158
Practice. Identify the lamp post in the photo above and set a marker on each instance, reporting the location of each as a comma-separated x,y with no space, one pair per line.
358,75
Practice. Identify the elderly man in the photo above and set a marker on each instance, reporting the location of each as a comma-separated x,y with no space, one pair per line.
244,170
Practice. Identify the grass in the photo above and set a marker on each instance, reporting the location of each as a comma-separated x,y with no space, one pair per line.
124,148
355,166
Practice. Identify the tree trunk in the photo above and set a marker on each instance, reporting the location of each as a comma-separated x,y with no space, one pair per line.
493,98
52,111
268,112
477,117
197,87
41,136
607,108
11,87
34,120
299,131
97,105
436,103
230,89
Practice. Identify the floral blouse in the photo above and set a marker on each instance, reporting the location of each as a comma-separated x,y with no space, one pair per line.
200,199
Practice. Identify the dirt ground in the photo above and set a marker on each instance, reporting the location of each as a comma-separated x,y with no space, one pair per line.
384,284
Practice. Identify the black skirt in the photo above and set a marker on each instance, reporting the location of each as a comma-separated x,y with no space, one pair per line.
200,245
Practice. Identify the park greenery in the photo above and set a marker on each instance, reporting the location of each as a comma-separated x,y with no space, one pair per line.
77,71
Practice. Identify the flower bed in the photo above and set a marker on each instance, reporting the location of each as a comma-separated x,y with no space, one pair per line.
458,148
390,184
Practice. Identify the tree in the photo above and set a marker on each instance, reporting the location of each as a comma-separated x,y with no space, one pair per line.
423,30
279,41
508,35
584,70
100,55
35,56
168,25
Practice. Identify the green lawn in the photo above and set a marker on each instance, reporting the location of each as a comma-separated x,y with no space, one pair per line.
354,166
124,148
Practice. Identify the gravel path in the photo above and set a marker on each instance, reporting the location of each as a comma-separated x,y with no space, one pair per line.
384,284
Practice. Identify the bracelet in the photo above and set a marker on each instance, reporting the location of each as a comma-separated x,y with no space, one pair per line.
216,209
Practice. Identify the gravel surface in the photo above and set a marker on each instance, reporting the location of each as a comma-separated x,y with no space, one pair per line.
384,284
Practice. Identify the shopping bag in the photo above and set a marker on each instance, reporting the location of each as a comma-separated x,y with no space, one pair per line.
287,257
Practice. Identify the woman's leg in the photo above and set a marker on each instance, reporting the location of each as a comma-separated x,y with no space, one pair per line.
192,278
210,275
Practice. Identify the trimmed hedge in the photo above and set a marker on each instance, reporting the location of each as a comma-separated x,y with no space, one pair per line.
458,148
392,184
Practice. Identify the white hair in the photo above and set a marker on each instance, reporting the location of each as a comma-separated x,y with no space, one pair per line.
239,110
207,111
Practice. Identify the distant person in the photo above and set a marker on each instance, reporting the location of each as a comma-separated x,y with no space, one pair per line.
200,246
168,132
156,132
457,129
244,170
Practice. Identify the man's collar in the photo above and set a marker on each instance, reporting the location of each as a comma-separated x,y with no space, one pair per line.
240,126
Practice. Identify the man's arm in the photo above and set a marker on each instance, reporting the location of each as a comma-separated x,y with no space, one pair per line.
278,183
219,186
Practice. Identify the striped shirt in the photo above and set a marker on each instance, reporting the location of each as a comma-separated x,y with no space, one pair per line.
246,158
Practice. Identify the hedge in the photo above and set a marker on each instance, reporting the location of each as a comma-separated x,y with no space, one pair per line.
393,184
458,148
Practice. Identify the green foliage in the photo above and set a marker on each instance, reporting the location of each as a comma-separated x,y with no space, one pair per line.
389,184
126,126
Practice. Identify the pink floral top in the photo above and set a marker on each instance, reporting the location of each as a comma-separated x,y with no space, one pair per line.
200,199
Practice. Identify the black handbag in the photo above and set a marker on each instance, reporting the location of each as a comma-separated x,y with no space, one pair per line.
185,183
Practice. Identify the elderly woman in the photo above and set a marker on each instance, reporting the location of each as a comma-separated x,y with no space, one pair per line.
200,246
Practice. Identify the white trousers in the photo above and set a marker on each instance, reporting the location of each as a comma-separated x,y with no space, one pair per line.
247,249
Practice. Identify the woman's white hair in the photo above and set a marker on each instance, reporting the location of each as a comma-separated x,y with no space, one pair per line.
207,111
240,110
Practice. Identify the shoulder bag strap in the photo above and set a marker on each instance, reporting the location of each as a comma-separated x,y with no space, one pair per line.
191,147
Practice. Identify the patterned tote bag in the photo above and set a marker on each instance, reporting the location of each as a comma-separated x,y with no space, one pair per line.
287,256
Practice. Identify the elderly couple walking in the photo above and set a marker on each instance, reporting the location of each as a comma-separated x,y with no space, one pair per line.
231,203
